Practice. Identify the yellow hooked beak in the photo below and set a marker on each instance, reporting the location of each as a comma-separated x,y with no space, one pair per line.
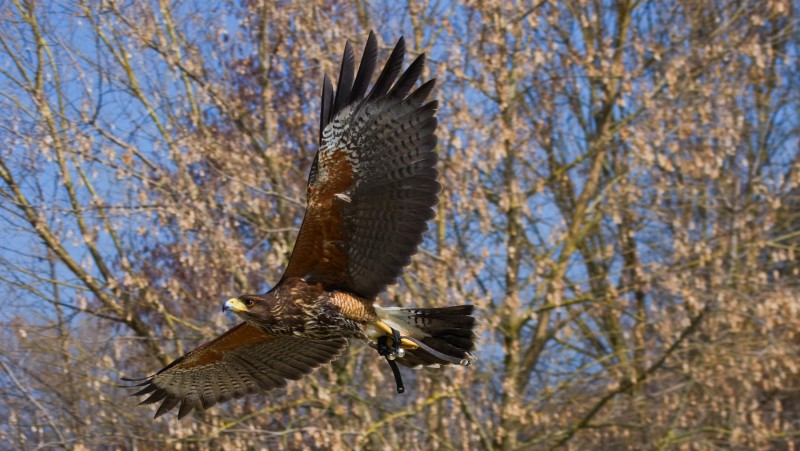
235,305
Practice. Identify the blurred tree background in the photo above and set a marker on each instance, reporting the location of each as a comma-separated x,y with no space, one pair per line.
621,196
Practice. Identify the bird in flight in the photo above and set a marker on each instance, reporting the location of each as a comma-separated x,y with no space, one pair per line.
371,190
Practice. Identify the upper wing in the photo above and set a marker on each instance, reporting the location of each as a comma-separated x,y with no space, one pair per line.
372,185
241,361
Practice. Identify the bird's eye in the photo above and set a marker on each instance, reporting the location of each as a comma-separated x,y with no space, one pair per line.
248,302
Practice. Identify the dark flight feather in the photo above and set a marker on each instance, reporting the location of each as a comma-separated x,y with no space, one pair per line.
345,82
326,106
365,70
242,361
389,72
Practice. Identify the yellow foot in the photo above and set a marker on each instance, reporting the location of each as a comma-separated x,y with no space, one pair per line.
404,342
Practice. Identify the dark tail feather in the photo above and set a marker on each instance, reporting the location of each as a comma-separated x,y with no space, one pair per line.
446,335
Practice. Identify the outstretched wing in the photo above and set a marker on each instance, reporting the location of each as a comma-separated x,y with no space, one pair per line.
241,361
372,185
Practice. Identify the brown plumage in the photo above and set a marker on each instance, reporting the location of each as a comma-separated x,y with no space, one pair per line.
371,189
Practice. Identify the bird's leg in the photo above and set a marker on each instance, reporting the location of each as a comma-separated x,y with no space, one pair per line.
391,352
405,343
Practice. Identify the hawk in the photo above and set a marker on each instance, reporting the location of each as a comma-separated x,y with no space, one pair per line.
371,190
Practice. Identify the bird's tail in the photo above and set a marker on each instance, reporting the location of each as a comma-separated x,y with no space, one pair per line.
444,336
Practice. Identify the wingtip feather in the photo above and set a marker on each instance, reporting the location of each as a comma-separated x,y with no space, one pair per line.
407,80
366,68
326,106
344,84
390,71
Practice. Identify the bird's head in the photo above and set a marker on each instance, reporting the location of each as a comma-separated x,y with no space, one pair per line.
268,312
247,306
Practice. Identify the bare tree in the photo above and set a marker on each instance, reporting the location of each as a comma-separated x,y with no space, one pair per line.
620,201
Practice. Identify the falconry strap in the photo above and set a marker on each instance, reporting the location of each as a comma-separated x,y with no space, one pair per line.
391,352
